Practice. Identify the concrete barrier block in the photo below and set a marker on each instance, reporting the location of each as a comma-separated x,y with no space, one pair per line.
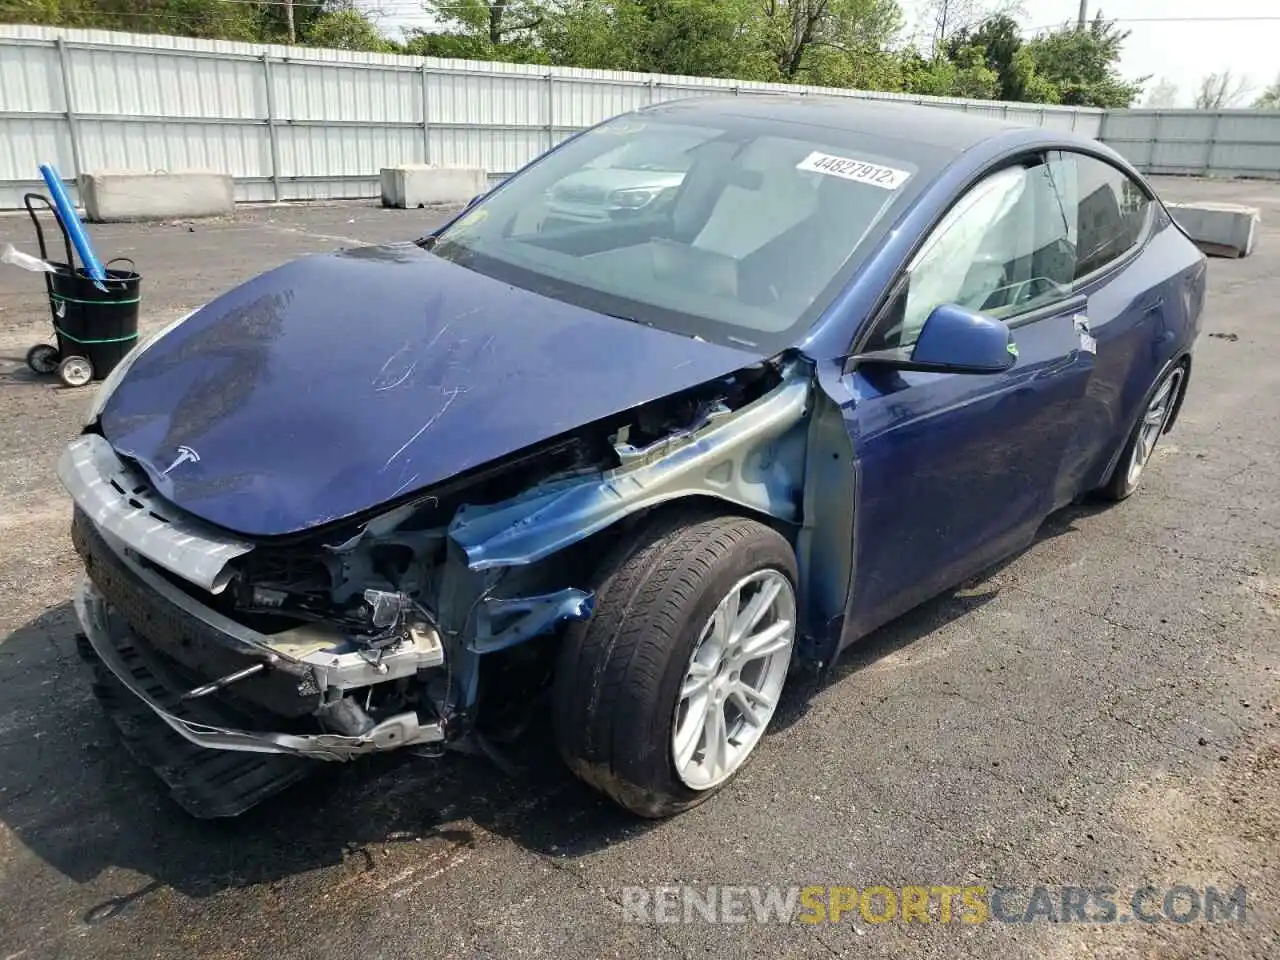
1219,229
417,185
110,195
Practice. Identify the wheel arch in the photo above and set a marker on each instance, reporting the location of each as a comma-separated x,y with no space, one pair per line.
1183,357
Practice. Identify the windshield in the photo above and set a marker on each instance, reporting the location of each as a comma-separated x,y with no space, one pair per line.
739,231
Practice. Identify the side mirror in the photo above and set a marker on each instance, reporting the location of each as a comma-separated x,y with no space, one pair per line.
953,340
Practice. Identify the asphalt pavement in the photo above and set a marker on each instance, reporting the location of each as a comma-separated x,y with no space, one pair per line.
1103,710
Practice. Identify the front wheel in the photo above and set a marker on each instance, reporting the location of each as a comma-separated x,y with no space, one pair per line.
75,371
1146,434
664,694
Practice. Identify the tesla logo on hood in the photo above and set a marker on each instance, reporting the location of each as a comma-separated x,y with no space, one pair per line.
185,455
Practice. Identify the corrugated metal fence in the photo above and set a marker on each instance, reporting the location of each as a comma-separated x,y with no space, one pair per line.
1217,143
295,123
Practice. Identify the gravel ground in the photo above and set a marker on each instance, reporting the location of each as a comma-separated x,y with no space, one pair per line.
1102,710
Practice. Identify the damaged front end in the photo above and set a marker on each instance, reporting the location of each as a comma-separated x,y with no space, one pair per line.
431,622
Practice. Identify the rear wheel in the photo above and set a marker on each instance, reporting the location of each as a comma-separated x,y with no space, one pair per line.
1146,434
664,694
43,358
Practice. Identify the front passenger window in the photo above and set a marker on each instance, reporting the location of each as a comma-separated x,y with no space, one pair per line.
1004,248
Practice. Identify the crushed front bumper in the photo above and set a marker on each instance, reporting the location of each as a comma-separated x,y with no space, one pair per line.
224,714
109,638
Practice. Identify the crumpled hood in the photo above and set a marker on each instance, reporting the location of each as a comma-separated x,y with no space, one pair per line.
335,383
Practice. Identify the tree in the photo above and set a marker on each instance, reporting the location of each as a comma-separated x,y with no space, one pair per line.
942,20
1219,91
1000,39
335,23
803,35
346,29
187,18
499,21
1083,64
1270,98
1163,95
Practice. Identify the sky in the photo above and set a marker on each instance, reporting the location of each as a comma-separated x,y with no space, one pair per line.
1181,40
1187,50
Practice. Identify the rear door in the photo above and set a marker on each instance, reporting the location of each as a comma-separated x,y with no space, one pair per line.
958,470
1131,307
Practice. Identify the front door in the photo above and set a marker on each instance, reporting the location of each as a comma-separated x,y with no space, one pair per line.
956,471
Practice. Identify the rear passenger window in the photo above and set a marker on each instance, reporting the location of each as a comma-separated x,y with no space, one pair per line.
1112,213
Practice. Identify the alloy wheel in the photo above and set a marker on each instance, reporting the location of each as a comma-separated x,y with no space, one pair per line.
1154,421
734,679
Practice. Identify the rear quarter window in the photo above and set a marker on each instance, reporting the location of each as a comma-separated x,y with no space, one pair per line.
1112,212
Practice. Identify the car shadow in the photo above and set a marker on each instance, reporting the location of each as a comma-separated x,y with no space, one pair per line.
72,796
919,622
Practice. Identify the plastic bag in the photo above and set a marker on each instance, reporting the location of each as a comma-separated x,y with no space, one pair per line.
26,261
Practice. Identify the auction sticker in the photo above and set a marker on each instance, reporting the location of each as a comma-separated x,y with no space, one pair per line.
861,171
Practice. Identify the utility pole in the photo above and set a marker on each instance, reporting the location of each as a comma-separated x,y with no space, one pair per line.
288,15
1084,13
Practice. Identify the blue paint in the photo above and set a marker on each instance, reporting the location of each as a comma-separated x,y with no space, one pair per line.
535,616
958,339
956,471
67,214
335,383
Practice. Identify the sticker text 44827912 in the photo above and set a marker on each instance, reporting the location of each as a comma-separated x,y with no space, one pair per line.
861,171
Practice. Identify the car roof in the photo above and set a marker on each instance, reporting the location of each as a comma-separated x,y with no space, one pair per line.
949,130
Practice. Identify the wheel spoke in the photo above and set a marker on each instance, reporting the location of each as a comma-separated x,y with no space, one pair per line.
716,755
691,732
697,679
717,638
1162,396
761,602
772,639
753,626
756,708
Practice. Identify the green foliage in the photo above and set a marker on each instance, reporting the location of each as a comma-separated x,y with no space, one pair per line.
1082,64
835,43
334,24
345,30
498,21
966,74
1269,98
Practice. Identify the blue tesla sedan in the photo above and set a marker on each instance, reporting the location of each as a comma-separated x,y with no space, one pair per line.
618,474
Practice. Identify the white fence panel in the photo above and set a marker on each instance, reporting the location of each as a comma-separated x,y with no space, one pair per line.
1219,143
301,123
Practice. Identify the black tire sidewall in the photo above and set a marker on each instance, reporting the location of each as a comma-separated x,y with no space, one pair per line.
50,355
642,747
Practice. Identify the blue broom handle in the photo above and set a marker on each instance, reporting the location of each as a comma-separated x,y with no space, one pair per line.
67,214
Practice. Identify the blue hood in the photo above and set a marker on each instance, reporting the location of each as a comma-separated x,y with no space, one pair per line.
336,383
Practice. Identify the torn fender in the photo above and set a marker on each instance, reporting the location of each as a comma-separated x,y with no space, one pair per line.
753,457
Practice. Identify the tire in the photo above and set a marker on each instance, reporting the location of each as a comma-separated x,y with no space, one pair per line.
1146,433
43,358
617,694
75,371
